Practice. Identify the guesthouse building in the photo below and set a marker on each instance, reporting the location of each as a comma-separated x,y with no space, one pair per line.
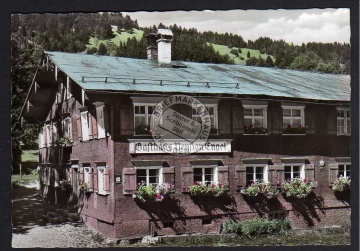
97,146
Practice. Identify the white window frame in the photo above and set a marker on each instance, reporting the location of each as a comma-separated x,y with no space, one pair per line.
345,164
101,178
100,120
147,168
252,117
302,114
66,123
265,171
68,88
48,134
146,105
345,110
42,139
86,173
215,116
302,169
215,174
85,125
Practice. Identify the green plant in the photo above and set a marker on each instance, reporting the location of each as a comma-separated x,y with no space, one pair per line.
341,184
257,227
253,129
84,187
290,129
65,141
213,130
153,192
142,129
298,188
257,187
200,188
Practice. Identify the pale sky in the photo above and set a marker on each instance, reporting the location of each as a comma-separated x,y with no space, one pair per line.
297,26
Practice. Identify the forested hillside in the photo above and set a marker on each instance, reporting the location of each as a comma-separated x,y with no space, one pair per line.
117,35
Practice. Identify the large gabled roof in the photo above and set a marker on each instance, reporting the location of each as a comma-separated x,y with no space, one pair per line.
105,73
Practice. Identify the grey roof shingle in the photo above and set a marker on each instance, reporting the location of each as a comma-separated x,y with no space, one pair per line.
90,72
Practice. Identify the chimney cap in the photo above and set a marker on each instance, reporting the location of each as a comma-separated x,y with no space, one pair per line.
165,32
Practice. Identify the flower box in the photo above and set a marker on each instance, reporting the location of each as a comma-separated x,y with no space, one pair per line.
298,188
203,189
253,129
258,188
342,184
294,130
153,193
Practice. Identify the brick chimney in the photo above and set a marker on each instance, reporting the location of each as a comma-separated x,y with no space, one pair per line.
159,46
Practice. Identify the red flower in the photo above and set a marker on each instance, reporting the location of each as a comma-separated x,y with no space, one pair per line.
220,185
212,185
196,183
251,126
304,180
289,126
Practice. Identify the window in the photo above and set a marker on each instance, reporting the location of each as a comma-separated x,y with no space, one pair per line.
205,175
143,114
277,215
259,173
85,125
206,221
49,134
86,173
100,117
344,170
55,132
293,116
255,115
67,128
294,171
101,179
149,176
212,109
343,121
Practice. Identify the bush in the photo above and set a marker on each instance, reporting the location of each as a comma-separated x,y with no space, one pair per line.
234,52
91,50
102,49
257,227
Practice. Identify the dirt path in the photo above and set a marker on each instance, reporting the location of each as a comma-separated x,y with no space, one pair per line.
30,229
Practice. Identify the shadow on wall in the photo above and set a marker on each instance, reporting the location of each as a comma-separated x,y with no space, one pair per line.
210,204
166,209
344,197
262,205
307,207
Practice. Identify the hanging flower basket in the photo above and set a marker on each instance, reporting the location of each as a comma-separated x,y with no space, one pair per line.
298,188
65,185
290,129
153,193
203,189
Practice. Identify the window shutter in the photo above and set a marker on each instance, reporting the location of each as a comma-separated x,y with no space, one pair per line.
168,174
78,126
187,177
94,125
95,179
237,114
91,179
126,120
90,125
309,172
332,120
276,174
223,175
224,119
106,180
106,120
57,178
240,176
333,173
129,178
81,175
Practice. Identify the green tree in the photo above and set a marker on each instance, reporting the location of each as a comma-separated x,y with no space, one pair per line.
269,62
102,49
248,54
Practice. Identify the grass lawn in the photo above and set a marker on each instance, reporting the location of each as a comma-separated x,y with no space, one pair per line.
30,160
120,36
223,50
30,156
